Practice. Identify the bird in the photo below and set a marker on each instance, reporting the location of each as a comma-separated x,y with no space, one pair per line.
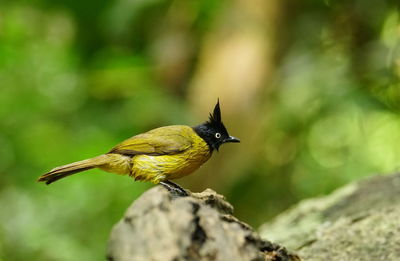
159,155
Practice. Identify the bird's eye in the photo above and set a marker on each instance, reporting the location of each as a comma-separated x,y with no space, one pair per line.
217,135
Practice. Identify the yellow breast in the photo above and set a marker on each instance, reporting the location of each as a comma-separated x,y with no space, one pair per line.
167,167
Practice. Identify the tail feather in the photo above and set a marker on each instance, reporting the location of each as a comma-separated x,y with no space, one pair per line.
70,169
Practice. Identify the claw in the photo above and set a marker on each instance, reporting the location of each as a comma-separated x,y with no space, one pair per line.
174,188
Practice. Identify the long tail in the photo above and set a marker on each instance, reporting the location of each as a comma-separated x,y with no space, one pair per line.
69,169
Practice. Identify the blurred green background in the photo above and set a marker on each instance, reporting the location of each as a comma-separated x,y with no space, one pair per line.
310,87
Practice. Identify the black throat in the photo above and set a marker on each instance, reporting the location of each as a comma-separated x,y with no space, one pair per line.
204,131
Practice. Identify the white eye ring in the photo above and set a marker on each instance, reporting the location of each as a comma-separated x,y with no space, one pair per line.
217,135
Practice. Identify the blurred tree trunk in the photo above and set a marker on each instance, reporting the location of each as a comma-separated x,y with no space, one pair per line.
237,64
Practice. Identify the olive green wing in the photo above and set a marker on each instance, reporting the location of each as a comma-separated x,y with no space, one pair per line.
157,142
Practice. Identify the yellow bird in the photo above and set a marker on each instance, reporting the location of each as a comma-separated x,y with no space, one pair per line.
159,155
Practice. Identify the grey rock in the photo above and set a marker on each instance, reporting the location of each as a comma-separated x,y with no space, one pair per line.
158,226
357,222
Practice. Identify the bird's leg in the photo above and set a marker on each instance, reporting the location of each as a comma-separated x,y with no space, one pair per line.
174,188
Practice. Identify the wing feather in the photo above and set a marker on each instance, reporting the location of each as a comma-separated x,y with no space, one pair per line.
160,141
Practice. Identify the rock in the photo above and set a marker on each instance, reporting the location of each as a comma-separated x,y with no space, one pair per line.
158,226
357,222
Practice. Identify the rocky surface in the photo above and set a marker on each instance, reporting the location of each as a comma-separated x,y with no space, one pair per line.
358,222
158,226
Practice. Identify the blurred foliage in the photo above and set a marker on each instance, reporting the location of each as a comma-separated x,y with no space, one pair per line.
77,77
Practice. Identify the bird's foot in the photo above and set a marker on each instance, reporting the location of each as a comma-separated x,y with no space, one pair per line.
174,188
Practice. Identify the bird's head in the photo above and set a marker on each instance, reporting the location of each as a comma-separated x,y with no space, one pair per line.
213,131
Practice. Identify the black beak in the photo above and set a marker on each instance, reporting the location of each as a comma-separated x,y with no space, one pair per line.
232,139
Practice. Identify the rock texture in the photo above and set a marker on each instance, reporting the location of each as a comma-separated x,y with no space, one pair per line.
158,226
358,222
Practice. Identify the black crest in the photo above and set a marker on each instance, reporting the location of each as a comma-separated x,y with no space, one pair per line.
215,117
215,120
